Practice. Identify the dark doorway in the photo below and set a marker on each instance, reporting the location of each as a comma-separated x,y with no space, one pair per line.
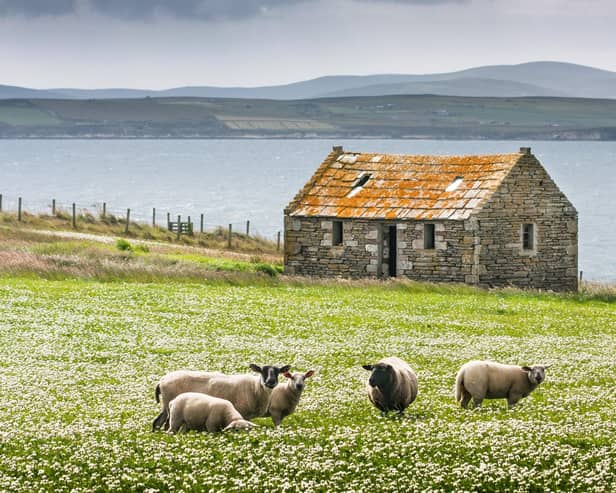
393,251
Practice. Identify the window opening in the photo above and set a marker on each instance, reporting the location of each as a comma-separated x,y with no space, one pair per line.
429,236
337,233
528,236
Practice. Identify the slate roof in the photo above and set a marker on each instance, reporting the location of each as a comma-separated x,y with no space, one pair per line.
393,186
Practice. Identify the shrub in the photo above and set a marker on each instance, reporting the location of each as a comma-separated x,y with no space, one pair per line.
269,269
123,245
141,248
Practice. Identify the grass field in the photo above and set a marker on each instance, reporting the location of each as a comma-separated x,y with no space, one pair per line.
80,360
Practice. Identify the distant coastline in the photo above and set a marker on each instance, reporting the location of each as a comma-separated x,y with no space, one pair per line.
367,117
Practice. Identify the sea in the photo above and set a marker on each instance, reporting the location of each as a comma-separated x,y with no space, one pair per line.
235,181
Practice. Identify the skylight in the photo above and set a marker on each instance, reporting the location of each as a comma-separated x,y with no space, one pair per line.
358,186
454,184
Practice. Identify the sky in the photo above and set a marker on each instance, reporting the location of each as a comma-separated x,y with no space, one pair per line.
157,44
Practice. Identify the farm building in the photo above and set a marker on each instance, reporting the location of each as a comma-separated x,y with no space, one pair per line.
494,220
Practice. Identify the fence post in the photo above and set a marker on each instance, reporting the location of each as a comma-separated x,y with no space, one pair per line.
230,233
127,221
153,217
74,217
278,242
104,209
0,202
179,226
581,276
201,222
248,228
53,207
19,209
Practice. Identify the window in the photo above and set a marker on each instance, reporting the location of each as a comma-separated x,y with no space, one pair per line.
528,236
337,233
429,236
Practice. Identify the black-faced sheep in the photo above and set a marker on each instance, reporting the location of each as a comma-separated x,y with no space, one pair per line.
481,380
285,396
201,412
392,385
249,394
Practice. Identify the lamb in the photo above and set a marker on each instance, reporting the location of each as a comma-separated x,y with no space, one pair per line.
201,412
481,380
285,396
392,385
250,394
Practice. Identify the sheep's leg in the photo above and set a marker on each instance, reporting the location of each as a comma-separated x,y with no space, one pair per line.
159,421
477,402
511,402
174,425
466,398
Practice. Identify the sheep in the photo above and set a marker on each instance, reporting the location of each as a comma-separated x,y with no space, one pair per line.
285,396
249,394
481,380
196,411
392,385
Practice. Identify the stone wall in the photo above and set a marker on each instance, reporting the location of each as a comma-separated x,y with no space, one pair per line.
365,250
527,195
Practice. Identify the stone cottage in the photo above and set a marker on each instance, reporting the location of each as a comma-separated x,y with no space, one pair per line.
494,220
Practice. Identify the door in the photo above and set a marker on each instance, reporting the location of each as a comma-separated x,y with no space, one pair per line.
393,251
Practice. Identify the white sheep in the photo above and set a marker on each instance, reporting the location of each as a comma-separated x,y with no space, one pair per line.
481,380
249,394
201,412
392,385
285,396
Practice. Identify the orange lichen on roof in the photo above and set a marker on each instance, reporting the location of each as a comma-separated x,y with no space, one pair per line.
401,186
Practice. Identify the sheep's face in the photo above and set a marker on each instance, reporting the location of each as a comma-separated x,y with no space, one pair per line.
297,381
381,376
536,373
240,424
269,374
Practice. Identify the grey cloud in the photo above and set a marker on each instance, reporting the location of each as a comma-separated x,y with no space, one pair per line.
36,8
184,9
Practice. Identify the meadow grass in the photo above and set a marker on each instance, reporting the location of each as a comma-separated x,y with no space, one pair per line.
79,361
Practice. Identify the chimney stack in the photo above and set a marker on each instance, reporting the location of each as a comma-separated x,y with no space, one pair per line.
525,150
338,149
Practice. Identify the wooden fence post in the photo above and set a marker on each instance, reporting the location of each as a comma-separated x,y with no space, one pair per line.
230,233
19,209
74,217
179,226
168,221
53,207
201,223
247,228
0,202
104,209
153,217
127,221
278,242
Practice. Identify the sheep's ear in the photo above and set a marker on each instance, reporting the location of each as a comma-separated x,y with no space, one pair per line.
256,368
288,375
526,368
309,373
368,367
284,369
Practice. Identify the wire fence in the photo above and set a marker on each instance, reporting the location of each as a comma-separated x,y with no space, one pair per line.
179,224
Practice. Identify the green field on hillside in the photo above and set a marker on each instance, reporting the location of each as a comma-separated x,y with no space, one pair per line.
80,360
414,116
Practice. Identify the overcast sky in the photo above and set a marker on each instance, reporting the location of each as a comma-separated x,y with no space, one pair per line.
167,43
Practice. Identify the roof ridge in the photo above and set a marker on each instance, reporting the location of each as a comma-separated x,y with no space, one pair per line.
331,158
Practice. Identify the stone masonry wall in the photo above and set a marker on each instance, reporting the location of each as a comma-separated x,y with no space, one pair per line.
365,250
527,195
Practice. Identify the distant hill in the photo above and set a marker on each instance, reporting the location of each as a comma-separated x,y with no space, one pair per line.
403,117
528,79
